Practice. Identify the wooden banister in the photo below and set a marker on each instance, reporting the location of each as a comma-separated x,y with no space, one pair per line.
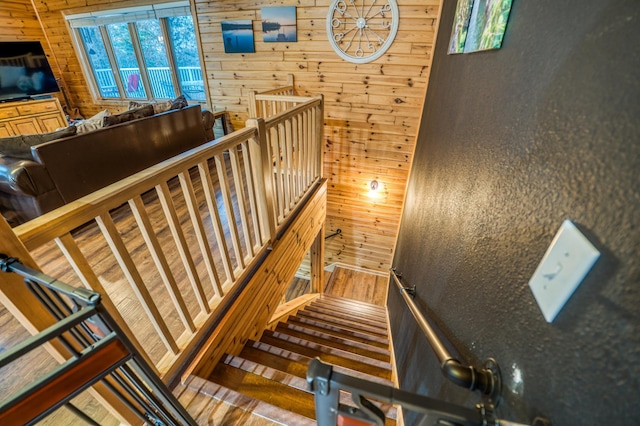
174,240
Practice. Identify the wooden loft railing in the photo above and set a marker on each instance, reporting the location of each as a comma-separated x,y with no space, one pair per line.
166,245
272,102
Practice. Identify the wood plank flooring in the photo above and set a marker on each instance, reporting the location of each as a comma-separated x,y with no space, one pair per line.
358,285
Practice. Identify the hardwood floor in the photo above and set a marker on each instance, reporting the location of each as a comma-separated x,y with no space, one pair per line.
358,285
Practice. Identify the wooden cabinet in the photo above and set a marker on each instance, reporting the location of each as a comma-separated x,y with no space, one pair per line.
30,117
5,130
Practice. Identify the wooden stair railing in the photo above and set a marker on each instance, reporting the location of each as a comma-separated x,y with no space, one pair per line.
268,102
173,240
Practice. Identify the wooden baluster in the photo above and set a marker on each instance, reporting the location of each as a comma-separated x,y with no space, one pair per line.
286,167
295,153
277,171
228,206
198,226
214,214
310,147
248,159
153,245
164,196
87,276
242,208
128,266
263,171
307,150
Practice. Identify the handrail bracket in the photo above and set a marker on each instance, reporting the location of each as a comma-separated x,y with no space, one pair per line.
411,291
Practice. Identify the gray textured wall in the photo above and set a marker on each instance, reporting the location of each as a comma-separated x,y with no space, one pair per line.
514,141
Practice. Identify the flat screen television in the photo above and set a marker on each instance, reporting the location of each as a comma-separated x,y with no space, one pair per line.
24,71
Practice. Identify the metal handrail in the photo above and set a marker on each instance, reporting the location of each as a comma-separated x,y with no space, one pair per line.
338,232
486,379
327,384
91,336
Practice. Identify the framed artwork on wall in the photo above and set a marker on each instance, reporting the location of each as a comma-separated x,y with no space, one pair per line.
479,25
238,36
279,24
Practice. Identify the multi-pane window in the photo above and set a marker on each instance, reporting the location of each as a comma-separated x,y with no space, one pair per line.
149,52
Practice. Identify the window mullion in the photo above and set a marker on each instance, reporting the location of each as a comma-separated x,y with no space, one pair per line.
115,69
137,48
85,63
168,47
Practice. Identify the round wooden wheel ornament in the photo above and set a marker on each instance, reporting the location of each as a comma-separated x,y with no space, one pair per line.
361,31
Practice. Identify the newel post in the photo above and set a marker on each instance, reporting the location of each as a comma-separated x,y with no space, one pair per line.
253,104
262,170
319,135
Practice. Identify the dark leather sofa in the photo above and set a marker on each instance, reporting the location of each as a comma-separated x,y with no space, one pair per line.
66,169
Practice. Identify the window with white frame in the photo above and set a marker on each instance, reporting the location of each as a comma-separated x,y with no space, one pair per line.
141,53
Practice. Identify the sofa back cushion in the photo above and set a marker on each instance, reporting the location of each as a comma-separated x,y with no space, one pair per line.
88,162
132,114
20,146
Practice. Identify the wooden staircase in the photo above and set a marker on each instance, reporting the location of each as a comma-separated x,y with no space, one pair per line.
268,376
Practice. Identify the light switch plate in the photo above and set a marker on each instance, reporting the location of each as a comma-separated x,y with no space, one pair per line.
563,267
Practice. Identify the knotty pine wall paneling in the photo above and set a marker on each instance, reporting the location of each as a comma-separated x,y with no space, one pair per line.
18,21
372,111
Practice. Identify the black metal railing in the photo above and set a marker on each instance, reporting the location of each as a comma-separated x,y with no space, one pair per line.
486,379
98,352
334,234
327,384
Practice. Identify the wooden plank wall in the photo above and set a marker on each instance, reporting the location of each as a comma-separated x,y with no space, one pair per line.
372,111
18,21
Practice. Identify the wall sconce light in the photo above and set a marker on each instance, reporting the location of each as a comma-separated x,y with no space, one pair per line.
374,185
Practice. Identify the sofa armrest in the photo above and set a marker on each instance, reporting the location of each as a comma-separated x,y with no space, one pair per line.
209,121
224,118
24,177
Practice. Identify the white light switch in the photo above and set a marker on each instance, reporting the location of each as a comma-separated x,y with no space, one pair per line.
562,269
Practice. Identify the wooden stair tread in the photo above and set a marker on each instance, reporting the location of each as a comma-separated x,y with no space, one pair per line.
353,310
269,386
294,363
297,367
328,355
352,302
343,323
248,403
263,389
381,325
335,330
335,342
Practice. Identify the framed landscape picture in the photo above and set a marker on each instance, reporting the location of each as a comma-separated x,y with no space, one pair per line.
460,26
238,36
479,25
279,24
